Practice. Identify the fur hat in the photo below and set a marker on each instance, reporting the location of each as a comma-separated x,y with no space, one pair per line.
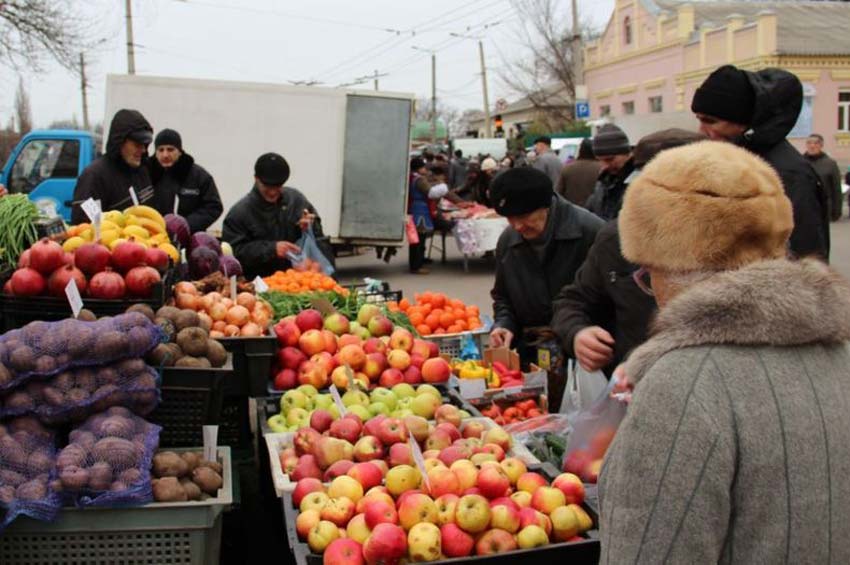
705,206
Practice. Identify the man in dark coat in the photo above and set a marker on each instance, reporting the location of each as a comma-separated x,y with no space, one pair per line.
175,175
537,255
110,177
828,171
604,314
546,160
264,225
612,150
578,179
457,170
756,111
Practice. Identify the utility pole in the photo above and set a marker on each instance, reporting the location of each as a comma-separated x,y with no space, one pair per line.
489,126
433,98
131,57
376,80
83,87
578,63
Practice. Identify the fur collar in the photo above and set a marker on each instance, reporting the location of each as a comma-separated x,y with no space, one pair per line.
769,303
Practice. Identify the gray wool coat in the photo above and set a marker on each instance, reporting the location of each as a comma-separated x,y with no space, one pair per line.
736,446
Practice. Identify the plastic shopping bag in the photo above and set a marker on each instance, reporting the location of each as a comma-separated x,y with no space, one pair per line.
593,430
582,388
410,230
310,250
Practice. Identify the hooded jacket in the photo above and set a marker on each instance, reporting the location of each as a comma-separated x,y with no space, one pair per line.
254,226
736,445
192,186
778,99
607,197
109,177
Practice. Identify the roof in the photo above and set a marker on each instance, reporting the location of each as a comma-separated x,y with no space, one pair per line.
804,28
422,130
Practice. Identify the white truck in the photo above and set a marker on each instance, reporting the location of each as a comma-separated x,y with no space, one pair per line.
347,149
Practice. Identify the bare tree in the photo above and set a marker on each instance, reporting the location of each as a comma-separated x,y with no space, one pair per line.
31,29
23,110
448,115
544,73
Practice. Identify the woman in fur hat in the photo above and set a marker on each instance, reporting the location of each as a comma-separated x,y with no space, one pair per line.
736,446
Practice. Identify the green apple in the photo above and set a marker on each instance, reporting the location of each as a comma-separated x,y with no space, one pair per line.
309,391
323,400
360,411
405,403
353,327
296,416
404,390
464,415
352,397
292,399
428,389
425,405
378,408
385,396
277,424
333,410
402,412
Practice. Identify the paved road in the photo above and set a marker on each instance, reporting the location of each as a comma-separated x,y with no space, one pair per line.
473,287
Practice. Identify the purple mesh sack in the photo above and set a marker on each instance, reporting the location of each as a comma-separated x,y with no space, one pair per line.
75,394
42,349
107,461
27,456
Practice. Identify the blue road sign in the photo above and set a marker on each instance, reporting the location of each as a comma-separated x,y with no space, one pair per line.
582,110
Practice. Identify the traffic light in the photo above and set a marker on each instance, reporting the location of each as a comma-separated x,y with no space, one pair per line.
500,132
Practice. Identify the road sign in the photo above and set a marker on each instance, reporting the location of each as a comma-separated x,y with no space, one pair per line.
582,109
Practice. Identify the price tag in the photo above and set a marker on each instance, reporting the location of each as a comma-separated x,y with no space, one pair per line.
472,388
323,305
133,196
91,207
74,298
512,390
98,218
536,379
544,359
353,384
260,285
419,460
210,442
233,287
338,401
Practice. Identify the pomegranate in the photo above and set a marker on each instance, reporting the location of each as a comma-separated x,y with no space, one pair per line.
7,288
128,255
91,258
46,256
140,281
156,258
58,280
27,282
67,260
24,259
107,285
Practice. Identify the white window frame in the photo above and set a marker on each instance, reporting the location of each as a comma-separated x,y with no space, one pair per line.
845,105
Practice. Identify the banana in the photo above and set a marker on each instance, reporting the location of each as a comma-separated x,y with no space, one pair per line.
170,250
108,236
114,216
152,227
116,242
146,212
87,234
135,231
107,225
159,238
72,243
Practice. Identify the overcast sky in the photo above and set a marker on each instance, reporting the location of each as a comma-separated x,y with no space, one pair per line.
277,41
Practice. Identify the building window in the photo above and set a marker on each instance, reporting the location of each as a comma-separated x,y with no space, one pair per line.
629,108
656,104
627,30
604,110
844,111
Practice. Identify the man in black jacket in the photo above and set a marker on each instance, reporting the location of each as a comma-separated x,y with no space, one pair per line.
829,173
110,177
612,150
756,111
264,225
176,176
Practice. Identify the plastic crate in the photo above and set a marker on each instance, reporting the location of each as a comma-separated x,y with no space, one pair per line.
379,296
234,426
450,344
173,532
18,311
252,363
191,398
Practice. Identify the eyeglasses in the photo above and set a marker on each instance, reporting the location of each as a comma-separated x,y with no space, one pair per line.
643,280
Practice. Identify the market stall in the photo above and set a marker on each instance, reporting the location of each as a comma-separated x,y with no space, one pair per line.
476,229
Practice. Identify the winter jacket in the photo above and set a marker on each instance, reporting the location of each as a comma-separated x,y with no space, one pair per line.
736,445
254,226
604,294
779,97
577,181
830,179
457,172
109,177
197,196
550,164
524,288
607,197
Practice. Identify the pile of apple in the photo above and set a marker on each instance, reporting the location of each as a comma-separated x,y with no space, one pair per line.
320,351
306,406
459,511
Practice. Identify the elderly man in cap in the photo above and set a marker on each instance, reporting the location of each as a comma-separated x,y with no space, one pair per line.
736,445
756,111
264,225
612,150
122,167
178,180
537,255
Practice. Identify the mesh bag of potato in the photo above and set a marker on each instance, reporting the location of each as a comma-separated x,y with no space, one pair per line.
41,349
107,460
27,454
187,344
74,394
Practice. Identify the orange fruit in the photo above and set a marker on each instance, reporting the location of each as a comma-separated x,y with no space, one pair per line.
453,329
433,321
404,304
462,324
439,331
439,299
416,318
425,298
426,309
423,329
446,320
457,304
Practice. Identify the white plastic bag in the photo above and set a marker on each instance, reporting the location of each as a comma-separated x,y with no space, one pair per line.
582,388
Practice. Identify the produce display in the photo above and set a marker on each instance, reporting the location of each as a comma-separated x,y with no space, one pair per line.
323,350
222,315
206,255
497,376
140,224
511,412
435,313
179,477
187,342
293,281
17,216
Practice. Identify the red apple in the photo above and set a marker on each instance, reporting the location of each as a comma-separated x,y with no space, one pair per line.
291,357
436,370
311,342
305,440
306,468
287,333
493,482
455,542
305,487
368,448
285,379
380,512
330,340
321,420
571,486
353,356
345,428
390,377
400,455
375,345
387,544
343,551
412,375
371,426
494,542
529,516
421,348
392,430
450,429
336,470
309,320
473,429
401,339
367,474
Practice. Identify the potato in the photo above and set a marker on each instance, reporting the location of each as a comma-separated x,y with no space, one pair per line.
191,458
32,490
193,491
214,465
74,478
169,464
100,476
168,489
208,480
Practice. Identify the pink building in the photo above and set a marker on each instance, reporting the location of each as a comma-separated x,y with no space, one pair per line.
643,71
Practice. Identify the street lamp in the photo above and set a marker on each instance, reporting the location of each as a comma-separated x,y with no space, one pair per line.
433,91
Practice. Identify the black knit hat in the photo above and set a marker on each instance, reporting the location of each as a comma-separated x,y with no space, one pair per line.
610,140
726,94
651,145
521,190
272,169
168,137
